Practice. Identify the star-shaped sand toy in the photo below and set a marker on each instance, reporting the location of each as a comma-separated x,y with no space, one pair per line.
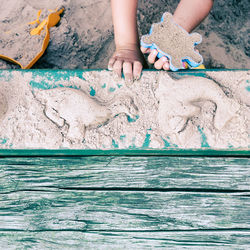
171,40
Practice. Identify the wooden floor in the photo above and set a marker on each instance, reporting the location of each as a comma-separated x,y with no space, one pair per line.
125,202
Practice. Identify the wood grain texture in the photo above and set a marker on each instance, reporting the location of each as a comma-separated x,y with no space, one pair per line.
125,172
122,210
237,239
124,202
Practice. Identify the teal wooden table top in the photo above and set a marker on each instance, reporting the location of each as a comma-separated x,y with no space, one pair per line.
124,202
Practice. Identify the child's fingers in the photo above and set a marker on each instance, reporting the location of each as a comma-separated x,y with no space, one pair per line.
127,71
166,66
117,67
152,56
137,68
159,63
111,63
145,50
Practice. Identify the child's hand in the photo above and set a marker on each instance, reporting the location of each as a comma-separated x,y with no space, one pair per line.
188,15
128,59
161,63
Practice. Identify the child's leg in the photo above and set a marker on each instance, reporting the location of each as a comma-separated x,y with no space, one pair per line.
188,14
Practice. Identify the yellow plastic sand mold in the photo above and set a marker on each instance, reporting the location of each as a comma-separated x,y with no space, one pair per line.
52,19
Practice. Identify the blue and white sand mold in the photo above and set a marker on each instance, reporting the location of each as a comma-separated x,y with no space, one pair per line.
172,41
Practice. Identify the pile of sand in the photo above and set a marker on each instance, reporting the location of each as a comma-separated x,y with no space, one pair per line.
84,37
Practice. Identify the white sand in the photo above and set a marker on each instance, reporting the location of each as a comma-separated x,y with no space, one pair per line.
188,113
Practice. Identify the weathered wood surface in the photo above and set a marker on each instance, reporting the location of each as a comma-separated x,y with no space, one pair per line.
124,202
235,239
225,173
122,210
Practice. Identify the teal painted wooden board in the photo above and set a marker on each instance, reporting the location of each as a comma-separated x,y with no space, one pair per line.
232,239
124,152
52,209
102,172
58,109
124,202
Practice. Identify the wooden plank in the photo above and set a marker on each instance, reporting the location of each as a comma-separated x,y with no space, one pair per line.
54,209
235,239
164,173
124,202
124,152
